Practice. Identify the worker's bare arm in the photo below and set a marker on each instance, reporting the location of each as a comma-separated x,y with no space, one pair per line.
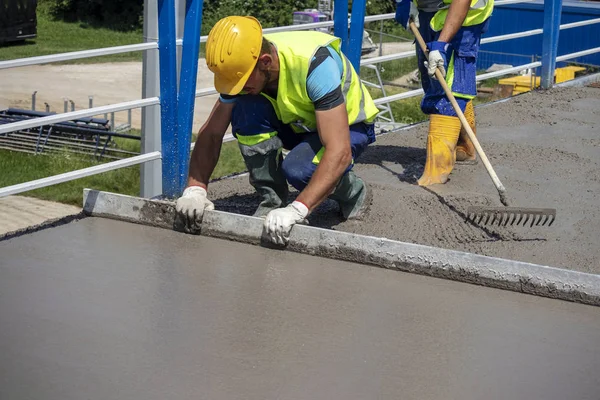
208,145
334,133
456,16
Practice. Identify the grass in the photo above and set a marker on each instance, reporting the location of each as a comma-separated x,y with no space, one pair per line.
23,167
230,161
60,37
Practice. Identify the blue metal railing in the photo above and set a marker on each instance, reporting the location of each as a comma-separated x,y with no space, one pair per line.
187,87
167,53
552,10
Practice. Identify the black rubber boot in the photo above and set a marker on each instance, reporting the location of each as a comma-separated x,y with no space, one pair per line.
267,178
353,196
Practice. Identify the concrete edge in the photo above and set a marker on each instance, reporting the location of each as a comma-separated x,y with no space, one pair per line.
580,82
50,223
159,213
425,260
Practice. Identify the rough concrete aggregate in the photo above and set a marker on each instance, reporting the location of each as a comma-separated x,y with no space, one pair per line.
544,147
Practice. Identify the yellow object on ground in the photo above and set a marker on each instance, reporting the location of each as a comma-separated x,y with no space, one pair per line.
567,73
465,150
522,84
441,148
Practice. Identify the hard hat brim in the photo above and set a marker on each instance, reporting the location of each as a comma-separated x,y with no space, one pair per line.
225,86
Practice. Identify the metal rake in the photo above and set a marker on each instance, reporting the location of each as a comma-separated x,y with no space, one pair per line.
511,216
489,215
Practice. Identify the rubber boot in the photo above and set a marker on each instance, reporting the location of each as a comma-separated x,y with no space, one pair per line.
465,151
267,178
352,195
441,148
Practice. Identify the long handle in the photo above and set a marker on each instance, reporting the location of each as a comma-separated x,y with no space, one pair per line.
463,120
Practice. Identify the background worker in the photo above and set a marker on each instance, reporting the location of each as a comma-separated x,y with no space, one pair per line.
292,90
452,30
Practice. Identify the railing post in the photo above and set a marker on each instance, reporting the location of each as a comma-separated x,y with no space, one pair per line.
357,25
167,54
552,11
180,7
187,86
340,22
150,172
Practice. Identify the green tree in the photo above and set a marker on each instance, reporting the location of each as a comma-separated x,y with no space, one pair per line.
270,13
123,15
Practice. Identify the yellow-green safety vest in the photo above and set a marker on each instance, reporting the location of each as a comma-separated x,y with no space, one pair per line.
479,11
292,105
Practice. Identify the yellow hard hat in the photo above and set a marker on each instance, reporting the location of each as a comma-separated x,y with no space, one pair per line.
232,50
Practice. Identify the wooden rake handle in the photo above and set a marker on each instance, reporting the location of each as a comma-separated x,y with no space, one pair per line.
463,120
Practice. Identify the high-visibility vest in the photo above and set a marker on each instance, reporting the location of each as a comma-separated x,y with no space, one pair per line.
292,105
479,11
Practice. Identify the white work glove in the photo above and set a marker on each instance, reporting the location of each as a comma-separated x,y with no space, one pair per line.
279,222
414,14
191,206
437,58
405,11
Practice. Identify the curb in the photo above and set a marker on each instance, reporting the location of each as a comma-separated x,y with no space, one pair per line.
580,82
459,266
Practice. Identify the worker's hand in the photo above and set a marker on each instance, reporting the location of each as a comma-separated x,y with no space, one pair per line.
405,11
279,222
437,58
191,206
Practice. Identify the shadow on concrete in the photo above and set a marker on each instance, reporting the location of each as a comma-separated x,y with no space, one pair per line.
410,159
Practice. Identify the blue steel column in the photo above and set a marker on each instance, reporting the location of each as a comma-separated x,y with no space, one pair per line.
552,11
357,24
340,22
168,96
187,85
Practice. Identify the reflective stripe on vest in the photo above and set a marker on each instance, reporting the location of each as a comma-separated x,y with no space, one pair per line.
293,105
251,140
479,11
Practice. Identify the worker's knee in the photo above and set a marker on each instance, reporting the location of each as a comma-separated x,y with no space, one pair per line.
297,174
299,165
302,161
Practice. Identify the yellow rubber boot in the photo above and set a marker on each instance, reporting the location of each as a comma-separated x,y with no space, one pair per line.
441,149
465,151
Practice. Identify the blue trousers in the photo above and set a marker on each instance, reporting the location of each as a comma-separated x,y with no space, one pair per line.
254,115
461,67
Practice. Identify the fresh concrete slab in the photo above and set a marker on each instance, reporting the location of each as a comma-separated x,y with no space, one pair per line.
426,260
101,309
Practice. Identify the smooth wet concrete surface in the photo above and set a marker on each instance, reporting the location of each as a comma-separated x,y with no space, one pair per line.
100,309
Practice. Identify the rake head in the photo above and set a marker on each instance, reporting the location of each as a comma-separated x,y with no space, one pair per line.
511,216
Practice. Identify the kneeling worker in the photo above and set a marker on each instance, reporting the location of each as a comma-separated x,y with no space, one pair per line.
291,90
